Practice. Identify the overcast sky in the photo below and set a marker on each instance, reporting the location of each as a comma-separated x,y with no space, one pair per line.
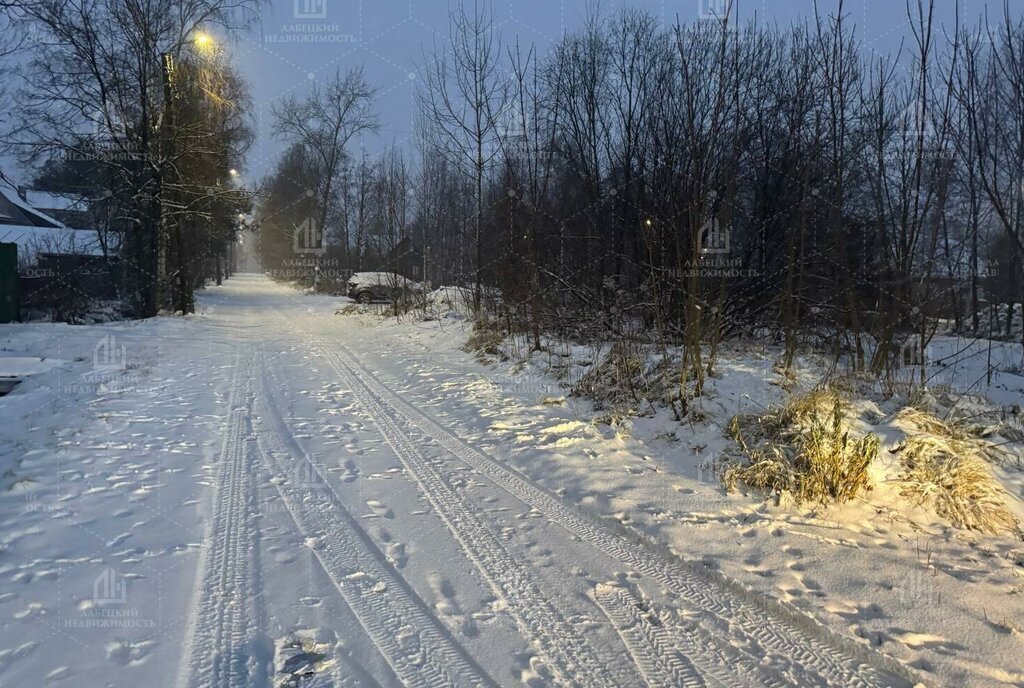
300,41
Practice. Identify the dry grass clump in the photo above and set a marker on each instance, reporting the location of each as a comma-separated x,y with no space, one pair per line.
957,431
352,309
926,422
948,470
803,448
621,378
485,339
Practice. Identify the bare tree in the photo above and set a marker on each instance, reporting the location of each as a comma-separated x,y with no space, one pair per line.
709,58
993,90
324,123
11,42
464,100
99,88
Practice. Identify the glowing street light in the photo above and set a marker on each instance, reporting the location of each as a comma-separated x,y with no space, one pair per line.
204,42
233,172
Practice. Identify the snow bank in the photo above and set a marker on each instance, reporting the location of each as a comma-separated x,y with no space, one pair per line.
882,568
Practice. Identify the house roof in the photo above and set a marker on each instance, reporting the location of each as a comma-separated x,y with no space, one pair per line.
14,211
52,200
35,241
37,233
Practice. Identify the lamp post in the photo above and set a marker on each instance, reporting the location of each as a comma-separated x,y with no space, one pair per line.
158,241
171,230
205,43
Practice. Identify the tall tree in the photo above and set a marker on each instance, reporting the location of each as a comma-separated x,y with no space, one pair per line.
464,100
324,122
98,88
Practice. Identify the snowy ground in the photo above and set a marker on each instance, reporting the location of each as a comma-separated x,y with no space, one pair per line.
269,489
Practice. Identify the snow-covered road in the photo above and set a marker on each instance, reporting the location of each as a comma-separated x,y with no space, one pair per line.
255,493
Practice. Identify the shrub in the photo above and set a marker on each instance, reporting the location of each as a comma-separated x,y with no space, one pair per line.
619,378
485,339
958,431
803,448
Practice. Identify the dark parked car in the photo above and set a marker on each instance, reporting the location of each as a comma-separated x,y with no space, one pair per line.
367,287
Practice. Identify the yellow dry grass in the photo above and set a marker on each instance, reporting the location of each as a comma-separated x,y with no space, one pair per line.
803,448
950,471
485,339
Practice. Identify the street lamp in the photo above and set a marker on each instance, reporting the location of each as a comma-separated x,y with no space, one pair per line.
233,172
204,42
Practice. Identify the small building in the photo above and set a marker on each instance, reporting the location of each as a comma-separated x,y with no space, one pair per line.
406,259
37,234
71,210
60,271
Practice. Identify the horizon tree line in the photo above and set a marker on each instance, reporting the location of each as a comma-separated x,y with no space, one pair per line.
699,182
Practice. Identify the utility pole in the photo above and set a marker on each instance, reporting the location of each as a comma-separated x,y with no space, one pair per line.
166,149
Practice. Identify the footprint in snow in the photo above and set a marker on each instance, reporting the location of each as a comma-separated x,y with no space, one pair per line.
380,509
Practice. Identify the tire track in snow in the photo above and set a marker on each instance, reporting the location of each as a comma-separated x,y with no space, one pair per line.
793,642
560,644
221,647
656,638
648,642
413,642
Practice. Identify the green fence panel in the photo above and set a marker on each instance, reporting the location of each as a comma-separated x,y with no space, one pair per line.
10,287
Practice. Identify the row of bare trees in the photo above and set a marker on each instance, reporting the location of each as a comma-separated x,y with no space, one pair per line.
132,106
711,179
698,181
326,212
352,209
365,219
